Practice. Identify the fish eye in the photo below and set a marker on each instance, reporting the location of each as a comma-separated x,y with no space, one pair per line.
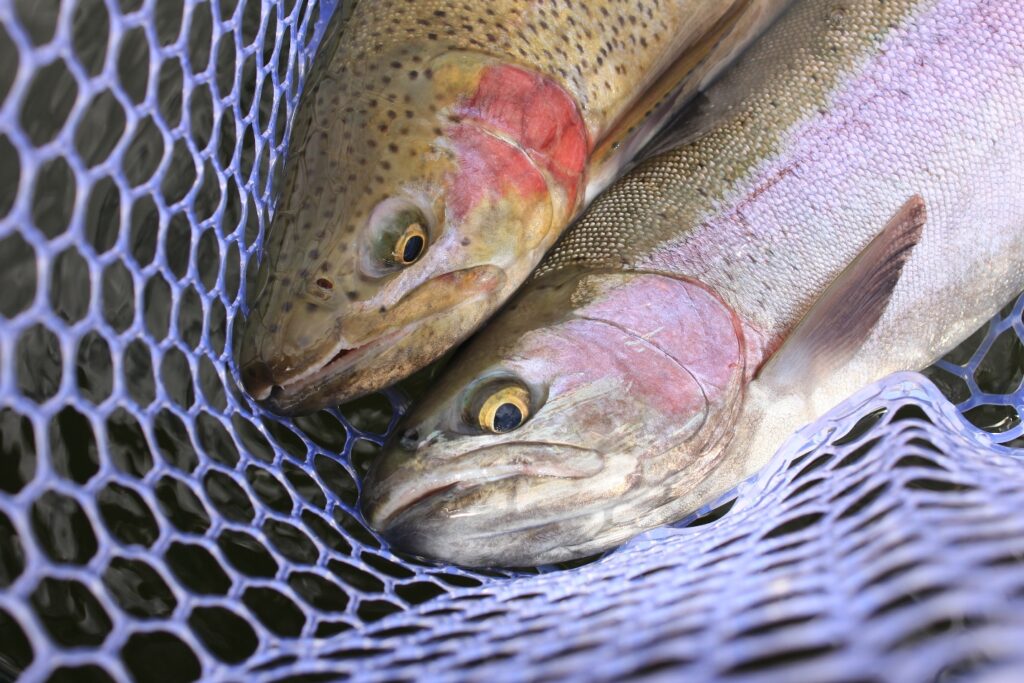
505,409
410,244
397,236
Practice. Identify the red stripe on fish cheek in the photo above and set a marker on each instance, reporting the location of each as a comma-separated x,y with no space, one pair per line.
489,170
686,319
539,115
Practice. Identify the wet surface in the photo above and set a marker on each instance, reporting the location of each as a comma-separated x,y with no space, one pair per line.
137,482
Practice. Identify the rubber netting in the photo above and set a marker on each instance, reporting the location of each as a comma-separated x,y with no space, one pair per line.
154,525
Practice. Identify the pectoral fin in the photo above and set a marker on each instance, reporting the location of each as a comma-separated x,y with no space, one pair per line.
843,318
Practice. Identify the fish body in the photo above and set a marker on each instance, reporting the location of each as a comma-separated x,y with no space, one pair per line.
437,153
846,202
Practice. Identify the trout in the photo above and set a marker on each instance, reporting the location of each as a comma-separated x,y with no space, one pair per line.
437,153
857,210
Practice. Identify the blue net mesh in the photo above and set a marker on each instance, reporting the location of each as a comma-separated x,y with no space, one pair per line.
155,525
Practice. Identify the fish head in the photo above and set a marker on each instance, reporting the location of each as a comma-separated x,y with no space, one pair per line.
571,422
406,218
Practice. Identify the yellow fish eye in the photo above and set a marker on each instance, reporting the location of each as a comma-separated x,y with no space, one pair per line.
410,245
504,410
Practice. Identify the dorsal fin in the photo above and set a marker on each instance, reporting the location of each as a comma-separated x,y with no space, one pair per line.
616,150
689,124
842,319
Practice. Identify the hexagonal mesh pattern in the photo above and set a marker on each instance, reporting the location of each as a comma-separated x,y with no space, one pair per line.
885,542
155,525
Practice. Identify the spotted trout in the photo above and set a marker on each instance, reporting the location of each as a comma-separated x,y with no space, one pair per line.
857,210
437,153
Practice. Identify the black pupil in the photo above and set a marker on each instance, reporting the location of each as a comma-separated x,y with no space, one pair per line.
412,249
507,417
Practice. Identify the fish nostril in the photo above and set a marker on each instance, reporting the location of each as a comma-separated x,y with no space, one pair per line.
409,440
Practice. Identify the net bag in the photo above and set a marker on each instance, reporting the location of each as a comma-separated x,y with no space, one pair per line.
156,526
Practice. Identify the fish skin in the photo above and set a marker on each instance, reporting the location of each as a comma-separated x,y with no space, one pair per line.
648,336
495,121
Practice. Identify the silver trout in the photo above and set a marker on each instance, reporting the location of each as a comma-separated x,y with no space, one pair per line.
437,153
847,202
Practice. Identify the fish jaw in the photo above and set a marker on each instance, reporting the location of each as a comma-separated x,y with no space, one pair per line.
348,370
505,175
630,408
457,524
429,506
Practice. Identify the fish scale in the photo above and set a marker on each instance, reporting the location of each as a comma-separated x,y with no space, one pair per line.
791,180
845,203
493,124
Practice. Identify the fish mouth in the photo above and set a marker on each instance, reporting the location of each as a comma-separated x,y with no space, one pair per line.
323,383
394,512
292,394
386,512
417,524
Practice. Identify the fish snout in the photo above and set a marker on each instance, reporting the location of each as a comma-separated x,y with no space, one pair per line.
268,368
280,330
408,484
387,490
257,379
404,481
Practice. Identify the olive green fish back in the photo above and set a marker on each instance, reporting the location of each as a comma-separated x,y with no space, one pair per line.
740,123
